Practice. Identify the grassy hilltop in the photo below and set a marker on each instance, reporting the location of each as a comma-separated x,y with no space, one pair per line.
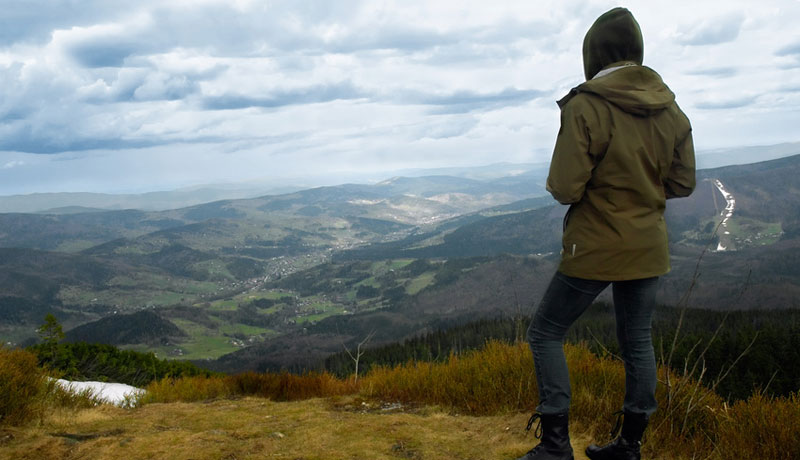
473,406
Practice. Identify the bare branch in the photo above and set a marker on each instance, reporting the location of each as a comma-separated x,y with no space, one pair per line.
605,350
735,361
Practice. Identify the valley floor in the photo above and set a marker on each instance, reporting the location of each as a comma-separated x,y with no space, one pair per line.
254,428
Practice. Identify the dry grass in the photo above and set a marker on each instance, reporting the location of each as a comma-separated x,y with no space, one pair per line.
255,428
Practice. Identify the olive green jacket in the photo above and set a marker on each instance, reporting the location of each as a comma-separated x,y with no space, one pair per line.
624,147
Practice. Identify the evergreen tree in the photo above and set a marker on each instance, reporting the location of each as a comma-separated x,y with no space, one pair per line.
51,333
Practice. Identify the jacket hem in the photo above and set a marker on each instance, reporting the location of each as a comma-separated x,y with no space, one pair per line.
612,276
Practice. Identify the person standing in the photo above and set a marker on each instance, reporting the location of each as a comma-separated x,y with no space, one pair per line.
623,149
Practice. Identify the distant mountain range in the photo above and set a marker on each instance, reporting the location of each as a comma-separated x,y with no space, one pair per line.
77,202
497,175
409,201
745,155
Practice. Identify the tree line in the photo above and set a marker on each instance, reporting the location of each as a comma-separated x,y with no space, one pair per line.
770,341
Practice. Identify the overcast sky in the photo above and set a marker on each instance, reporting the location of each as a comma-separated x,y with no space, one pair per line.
146,95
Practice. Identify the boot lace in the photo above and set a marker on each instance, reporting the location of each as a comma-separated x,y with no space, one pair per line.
537,432
618,425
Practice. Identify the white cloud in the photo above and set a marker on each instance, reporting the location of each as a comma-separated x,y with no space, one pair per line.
250,88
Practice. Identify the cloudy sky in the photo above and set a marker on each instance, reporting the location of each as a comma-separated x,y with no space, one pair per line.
112,96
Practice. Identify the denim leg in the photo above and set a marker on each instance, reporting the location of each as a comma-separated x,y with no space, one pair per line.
634,302
565,299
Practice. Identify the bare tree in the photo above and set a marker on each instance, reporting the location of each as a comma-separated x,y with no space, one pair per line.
359,352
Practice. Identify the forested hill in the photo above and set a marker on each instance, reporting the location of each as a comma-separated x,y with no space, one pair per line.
766,191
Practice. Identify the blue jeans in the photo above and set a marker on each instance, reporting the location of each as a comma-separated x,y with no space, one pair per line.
564,301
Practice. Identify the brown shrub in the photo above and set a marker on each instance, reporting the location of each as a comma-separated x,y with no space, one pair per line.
761,427
496,379
291,387
187,389
23,387
278,387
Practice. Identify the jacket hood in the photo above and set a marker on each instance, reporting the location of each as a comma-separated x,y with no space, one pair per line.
615,36
633,88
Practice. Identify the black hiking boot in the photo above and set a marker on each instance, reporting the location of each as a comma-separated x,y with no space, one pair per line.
553,430
628,445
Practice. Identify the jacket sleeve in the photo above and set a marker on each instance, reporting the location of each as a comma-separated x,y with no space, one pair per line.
680,181
572,164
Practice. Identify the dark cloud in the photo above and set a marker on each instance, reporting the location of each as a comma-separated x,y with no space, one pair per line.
52,140
169,88
792,52
726,104
29,140
284,97
722,72
789,50
469,101
145,84
714,31
12,114
33,21
103,54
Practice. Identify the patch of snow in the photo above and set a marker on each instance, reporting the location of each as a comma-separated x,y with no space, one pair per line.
112,393
730,206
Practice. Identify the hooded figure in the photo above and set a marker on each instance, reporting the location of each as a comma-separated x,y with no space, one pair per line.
624,148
